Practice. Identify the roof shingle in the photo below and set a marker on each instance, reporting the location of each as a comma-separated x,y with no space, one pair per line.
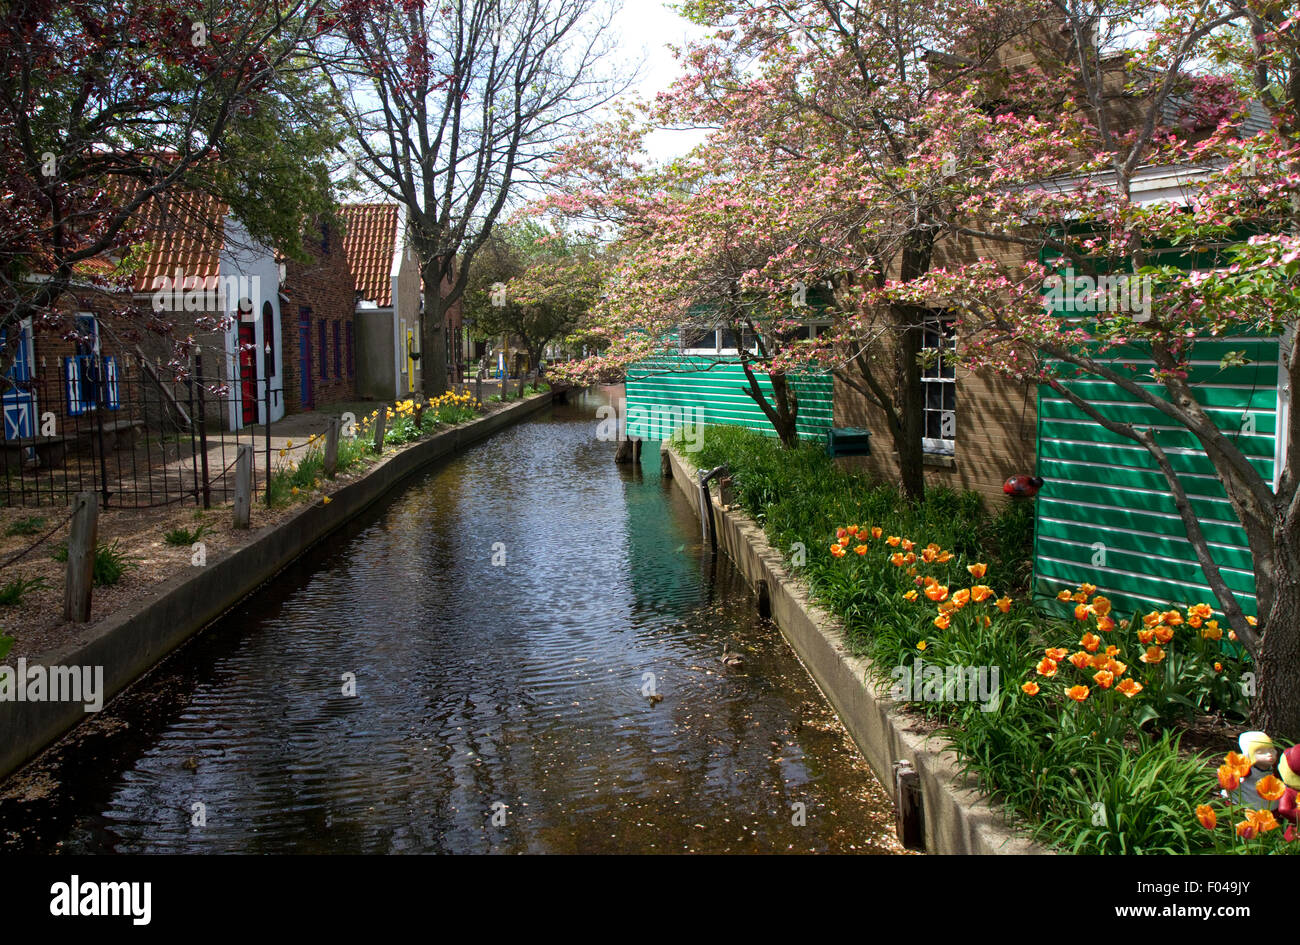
369,244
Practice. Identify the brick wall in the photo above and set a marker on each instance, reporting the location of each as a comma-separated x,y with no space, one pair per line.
997,419
321,292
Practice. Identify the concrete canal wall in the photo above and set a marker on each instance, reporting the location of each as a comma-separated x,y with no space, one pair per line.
130,643
958,819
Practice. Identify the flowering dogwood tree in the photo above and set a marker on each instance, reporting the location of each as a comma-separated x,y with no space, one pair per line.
1236,225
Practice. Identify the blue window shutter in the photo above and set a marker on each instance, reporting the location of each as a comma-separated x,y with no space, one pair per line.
110,384
72,385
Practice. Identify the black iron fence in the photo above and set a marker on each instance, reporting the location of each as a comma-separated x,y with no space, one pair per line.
123,427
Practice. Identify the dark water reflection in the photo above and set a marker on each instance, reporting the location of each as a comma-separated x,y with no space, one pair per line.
477,685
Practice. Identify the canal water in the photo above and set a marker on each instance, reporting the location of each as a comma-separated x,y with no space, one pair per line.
506,620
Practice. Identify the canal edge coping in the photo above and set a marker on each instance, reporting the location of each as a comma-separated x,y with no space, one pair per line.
958,818
131,642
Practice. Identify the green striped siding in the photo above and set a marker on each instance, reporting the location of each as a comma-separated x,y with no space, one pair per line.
659,394
1100,487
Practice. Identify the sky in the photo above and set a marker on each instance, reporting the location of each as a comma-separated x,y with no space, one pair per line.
644,28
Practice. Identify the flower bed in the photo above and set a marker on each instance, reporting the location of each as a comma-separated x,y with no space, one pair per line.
1070,714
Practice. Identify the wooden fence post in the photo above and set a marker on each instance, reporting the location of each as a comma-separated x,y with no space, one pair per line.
381,422
244,486
81,558
332,446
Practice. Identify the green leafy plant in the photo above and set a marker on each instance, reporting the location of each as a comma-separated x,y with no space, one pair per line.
32,525
185,536
12,593
110,562
6,644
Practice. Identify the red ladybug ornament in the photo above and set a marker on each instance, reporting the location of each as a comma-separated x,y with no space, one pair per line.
1022,486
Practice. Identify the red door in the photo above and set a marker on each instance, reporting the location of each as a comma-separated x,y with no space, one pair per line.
248,371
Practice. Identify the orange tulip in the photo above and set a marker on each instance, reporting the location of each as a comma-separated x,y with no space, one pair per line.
837,551
977,570
1004,604
861,549
1046,667
961,598
1080,660
1080,611
942,621
1164,635
1090,642
936,592
1146,636
1270,788
1103,678
1228,778
1152,655
1106,624
980,593
876,532
1077,693
1206,815
1064,596
1129,688
1116,667
944,557
1211,630
1056,653
1030,688
893,541
1204,611
1087,590
1101,606
896,559
852,530
910,595
841,532
1239,763
1173,618
928,555
844,540
908,545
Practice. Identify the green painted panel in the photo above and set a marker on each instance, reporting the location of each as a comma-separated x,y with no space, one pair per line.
1101,488
1054,408
1120,511
663,394
1075,428
1116,539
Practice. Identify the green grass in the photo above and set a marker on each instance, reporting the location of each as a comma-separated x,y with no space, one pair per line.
32,525
185,537
13,593
6,644
1104,775
111,563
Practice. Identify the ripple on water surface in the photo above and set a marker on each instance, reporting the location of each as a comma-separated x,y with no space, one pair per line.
477,685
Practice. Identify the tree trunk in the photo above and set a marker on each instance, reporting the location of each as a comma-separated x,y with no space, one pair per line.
911,405
1276,708
433,332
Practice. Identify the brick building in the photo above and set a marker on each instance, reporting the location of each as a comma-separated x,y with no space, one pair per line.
203,279
319,338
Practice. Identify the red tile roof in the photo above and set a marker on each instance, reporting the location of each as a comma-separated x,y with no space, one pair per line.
369,244
187,232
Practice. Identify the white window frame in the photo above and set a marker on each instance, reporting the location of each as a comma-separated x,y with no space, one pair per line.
941,445
719,351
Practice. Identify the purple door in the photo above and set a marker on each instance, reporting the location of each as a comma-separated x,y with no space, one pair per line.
304,357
